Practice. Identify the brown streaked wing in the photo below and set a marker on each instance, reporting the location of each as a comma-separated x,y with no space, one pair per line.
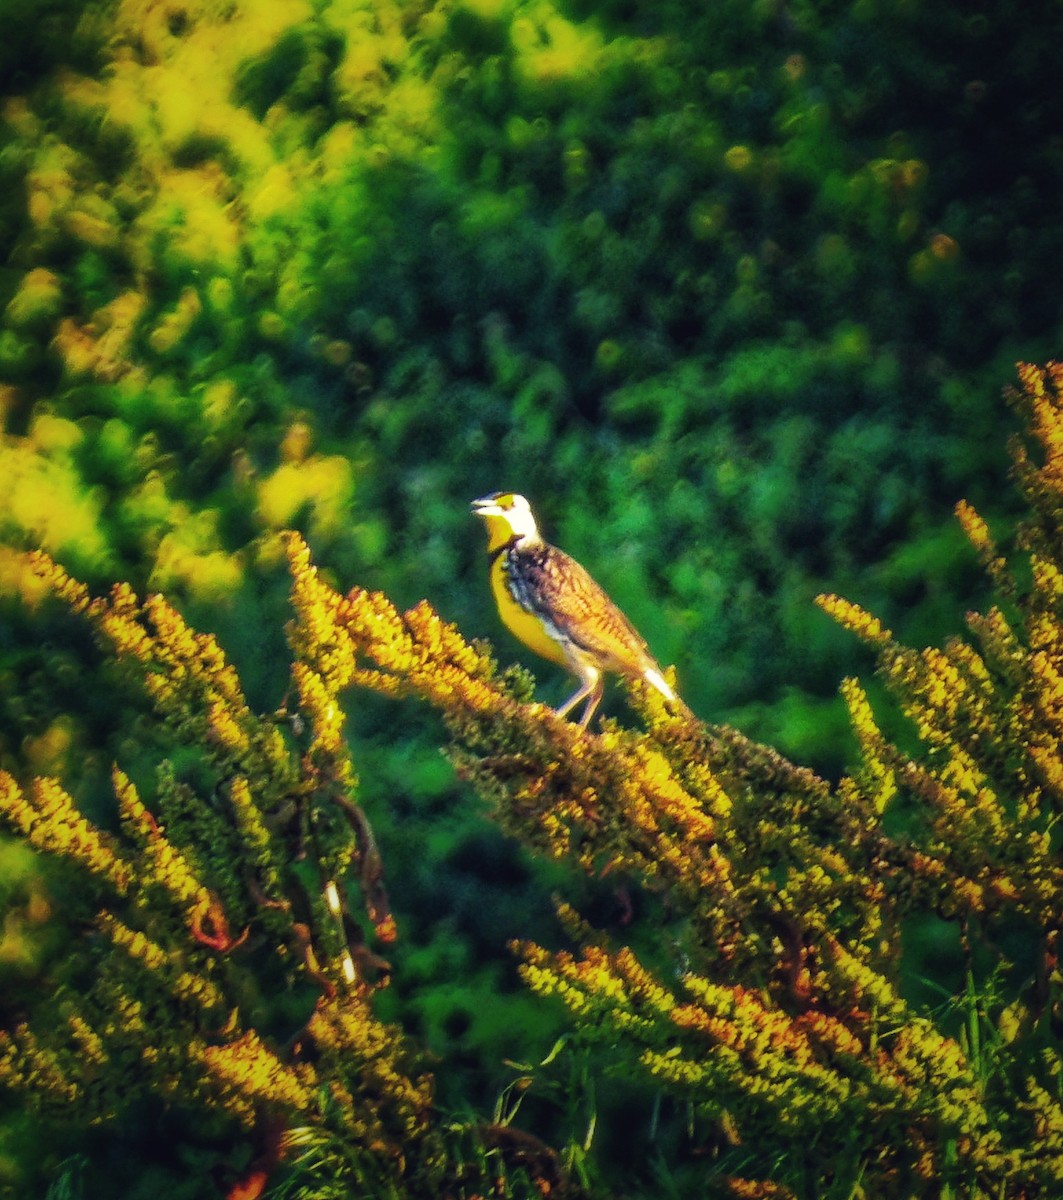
555,585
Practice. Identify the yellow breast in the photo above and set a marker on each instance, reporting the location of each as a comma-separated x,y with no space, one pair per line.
521,623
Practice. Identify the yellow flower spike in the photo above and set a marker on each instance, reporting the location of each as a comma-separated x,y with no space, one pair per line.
1050,768
73,593
326,719
850,616
964,810
1047,424
127,637
345,1030
50,822
247,1074
872,989
414,650
715,799
89,1042
977,533
679,1072
256,834
168,867
1032,378
186,985
225,731
656,778
1048,581
973,666
861,718
443,642
830,1033
28,1065
187,674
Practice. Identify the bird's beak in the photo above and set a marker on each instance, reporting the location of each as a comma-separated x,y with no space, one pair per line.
485,506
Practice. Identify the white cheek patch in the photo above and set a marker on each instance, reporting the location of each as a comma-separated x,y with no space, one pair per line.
521,519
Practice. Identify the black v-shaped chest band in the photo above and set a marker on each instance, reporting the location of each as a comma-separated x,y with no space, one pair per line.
493,555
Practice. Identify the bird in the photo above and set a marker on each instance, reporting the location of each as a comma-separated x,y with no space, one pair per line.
551,604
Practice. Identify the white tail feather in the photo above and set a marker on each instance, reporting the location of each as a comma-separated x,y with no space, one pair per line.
658,681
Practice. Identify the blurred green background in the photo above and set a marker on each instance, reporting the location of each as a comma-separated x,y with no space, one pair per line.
729,291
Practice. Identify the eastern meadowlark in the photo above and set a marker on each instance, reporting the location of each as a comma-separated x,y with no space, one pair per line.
549,601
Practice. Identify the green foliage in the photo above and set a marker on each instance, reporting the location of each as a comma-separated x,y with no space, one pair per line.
689,259
727,291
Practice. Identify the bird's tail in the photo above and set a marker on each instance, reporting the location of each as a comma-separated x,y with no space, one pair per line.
653,677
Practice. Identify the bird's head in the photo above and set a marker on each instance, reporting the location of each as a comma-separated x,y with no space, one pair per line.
508,516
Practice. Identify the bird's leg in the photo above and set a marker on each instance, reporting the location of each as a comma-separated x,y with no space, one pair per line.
593,700
591,688
582,691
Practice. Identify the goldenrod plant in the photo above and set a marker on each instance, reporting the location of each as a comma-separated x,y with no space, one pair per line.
765,988
222,911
